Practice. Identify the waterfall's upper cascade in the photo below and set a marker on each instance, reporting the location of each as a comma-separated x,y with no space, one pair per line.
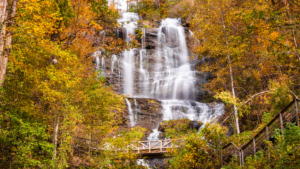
172,77
129,22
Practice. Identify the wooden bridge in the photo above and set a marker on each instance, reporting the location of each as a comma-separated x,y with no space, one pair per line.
148,148
290,114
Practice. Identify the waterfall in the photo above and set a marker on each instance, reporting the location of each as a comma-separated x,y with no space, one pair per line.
131,118
169,77
113,59
174,79
97,55
154,135
144,75
164,73
129,22
128,68
142,162
103,62
97,62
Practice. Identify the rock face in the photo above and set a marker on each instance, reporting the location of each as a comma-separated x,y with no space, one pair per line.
113,69
150,75
147,112
184,124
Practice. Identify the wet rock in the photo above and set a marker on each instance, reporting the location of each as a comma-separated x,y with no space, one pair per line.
193,103
182,125
157,163
151,34
195,125
147,112
150,46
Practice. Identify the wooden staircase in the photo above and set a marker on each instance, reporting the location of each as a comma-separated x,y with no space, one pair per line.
289,114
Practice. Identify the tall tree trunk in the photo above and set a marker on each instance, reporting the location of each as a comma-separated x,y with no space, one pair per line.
90,143
4,56
231,76
290,22
3,22
293,29
55,138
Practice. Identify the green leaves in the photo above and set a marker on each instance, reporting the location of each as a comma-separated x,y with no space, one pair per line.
26,140
65,10
199,150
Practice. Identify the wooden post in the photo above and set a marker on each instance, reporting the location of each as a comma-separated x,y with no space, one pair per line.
161,146
297,113
281,122
240,152
254,146
221,157
243,160
267,133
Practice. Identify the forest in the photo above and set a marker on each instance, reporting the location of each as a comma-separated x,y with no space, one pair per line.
76,76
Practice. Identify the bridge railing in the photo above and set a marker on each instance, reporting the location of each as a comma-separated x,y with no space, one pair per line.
289,114
151,146
142,147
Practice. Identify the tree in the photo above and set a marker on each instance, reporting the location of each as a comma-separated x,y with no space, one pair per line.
217,14
51,89
7,15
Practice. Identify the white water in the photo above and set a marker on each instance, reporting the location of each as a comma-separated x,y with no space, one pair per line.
113,59
129,22
97,63
144,75
142,162
169,78
97,55
128,68
131,118
154,135
103,62
174,80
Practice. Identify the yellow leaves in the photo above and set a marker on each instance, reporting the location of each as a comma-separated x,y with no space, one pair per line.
256,75
95,25
227,97
274,35
266,68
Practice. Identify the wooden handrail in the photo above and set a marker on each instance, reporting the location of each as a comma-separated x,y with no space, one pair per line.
288,115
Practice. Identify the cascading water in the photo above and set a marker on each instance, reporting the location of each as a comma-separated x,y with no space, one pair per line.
131,116
113,59
97,55
129,22
128,68
164,73
174,80
144,75
103,62
169,78
97,63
